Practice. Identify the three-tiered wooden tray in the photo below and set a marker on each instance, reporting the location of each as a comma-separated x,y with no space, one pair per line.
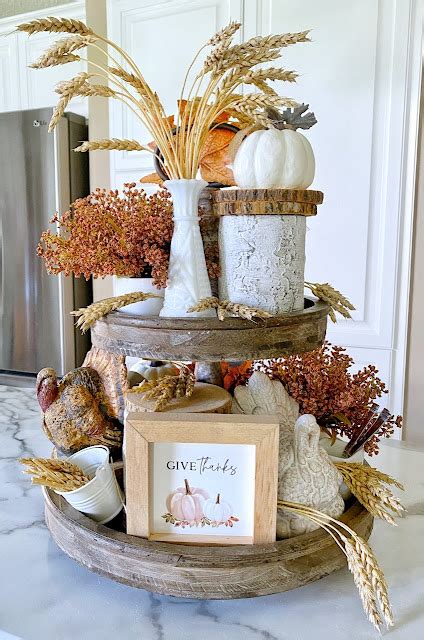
239,571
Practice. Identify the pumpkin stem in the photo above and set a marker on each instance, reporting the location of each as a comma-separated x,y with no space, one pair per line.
187,487
217,498
156,363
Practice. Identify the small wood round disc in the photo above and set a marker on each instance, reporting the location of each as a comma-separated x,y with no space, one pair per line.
271,195
264,207
244,202
206,398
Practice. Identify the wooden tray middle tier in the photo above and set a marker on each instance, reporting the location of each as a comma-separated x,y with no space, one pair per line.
210,340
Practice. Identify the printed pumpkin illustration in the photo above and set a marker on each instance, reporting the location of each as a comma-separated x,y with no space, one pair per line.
186,503
217,510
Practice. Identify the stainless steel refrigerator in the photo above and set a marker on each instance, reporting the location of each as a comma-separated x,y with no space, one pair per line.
39,175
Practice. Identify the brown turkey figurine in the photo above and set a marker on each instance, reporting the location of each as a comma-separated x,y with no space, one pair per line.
77,411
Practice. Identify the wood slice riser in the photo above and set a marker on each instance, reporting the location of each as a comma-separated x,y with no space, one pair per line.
208,339
199,572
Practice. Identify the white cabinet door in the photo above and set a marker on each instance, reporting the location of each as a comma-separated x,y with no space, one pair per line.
38,85
9,74
354,75
22,87
163,38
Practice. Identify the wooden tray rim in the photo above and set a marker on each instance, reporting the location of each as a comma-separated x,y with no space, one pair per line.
315,309
197,556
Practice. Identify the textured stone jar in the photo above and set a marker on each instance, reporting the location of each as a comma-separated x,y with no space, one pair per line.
262,260
262,245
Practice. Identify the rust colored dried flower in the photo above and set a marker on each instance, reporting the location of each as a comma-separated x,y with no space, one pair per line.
322,383
108,233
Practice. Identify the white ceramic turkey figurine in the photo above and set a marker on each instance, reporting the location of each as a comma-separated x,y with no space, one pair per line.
306,473
279,157
262,396
311,479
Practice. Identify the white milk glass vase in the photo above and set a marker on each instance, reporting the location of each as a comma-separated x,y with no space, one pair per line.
188,280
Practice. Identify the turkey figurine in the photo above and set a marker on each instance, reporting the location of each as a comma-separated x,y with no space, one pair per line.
305,471
77,411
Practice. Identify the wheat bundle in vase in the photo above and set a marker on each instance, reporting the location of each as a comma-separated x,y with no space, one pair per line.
207,98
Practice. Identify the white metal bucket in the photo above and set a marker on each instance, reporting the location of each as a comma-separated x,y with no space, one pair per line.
150,307
101,498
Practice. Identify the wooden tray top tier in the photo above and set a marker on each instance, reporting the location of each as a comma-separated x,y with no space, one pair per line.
187,571
242,202
208,339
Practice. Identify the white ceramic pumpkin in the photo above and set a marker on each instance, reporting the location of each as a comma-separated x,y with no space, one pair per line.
217,510
274,159
153,370
186,503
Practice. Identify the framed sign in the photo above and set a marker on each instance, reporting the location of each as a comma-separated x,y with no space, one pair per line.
201,478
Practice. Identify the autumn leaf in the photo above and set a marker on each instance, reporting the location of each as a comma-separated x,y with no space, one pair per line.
233,376
151,178
213,159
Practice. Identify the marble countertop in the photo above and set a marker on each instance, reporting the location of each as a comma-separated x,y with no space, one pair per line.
45,595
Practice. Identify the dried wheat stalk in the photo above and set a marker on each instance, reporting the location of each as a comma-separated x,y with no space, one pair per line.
253,102
226,308
337,301
367,485
54,62
111,144
100,90
225,35
212,92
255,51
130,78
165,389
259,78
56,474
87,316
67,87
55,25
363,581
67,91
362,563
61,49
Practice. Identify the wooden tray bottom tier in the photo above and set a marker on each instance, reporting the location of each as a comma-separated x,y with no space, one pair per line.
206,573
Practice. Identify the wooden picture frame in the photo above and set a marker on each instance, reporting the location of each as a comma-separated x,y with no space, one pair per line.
250,441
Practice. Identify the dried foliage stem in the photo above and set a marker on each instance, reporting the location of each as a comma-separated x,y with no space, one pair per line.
362,563
367,484
165,389
325,385
226,308
55,474
226,67
87,316
337,301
